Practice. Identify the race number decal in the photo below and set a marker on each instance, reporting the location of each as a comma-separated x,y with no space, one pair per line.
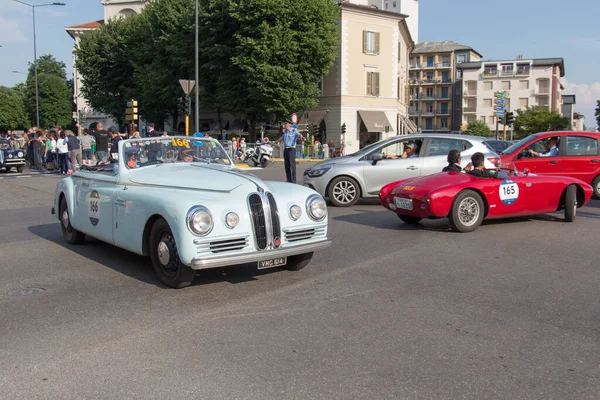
94,208
509,191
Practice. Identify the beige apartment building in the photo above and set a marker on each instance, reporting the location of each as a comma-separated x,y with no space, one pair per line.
526,83
366,89
434,98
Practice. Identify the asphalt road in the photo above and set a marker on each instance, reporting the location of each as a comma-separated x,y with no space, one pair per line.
390,311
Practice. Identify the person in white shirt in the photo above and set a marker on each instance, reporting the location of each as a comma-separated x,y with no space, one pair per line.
63,154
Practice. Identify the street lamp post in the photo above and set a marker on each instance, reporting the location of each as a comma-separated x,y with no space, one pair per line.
37,100
197,105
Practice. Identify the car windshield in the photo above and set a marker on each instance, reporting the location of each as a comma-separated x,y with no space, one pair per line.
519,144
4,143
139,153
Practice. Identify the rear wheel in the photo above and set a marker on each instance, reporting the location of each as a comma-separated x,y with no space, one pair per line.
343,192
596,186
467,211
70,234
570,203
165,258
296,263
407,219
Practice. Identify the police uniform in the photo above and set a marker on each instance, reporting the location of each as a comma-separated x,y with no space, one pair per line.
290,138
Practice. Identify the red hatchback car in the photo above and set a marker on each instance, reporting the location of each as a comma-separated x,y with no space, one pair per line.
561,153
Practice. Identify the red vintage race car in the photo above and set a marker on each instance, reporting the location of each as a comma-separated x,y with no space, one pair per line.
466,199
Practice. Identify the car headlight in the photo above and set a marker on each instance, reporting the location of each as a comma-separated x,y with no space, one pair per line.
20,154
319,171
232,220
295,212
10,156
316,207
199,220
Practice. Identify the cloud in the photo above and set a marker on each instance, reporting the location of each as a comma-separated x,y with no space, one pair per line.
11,31
586,96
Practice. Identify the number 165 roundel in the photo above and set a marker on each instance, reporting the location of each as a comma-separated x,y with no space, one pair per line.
467,199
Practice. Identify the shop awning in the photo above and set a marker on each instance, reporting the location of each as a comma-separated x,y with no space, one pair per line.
375,121
314,117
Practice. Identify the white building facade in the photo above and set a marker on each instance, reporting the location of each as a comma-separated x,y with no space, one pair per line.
409,8
526,83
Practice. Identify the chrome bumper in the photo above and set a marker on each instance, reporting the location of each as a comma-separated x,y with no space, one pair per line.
233,259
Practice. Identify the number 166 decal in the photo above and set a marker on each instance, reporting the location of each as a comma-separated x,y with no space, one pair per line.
94,208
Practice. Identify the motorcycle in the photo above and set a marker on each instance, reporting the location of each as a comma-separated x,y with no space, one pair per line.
260,155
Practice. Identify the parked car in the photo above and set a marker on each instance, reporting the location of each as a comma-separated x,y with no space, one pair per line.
11,158
362,174
499,145
466,200
578,156
189,208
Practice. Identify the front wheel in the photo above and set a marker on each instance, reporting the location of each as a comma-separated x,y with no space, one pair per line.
467,211
264,162
70,234
20,169
344,192
596,187
296,263
407,219
165,258
570,203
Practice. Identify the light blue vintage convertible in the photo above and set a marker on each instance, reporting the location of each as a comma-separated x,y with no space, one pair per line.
181,201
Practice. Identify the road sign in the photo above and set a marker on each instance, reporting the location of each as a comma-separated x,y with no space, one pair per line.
295,126
500,108
294,118
187,86
132,103
500,114
501,101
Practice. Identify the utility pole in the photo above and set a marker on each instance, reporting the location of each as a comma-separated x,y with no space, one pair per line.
197,78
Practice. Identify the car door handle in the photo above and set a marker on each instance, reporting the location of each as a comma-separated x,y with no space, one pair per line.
412,167
595,161
554,162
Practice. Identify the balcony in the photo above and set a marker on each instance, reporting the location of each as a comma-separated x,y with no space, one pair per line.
413,81
543,91
469,110
413,112
507,72
429,66
523,71
443,112
414,66
487,73
470,93
436,128
427,113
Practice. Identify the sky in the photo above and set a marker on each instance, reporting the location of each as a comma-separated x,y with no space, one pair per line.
496,29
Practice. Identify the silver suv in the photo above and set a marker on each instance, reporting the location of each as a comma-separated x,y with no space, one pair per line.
362,174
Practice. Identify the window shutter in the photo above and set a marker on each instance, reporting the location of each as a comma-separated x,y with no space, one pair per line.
364,41
376,42
369,84
376,83
399,51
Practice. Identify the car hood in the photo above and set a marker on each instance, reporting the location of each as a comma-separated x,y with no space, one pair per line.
424,184
331,161
194,176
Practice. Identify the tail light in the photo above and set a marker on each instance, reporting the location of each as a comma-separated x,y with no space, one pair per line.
494,160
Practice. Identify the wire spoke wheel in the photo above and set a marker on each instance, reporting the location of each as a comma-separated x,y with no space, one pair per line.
468,211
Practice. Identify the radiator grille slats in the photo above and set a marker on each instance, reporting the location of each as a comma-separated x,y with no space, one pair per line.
258,220
274,217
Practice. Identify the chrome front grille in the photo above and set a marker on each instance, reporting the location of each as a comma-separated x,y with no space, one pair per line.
297,235
217,245
265,220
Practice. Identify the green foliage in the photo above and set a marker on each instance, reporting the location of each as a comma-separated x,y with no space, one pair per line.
55,96
478,128
598,113
538,119
12,108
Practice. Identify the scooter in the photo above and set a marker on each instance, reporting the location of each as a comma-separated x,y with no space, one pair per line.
262,154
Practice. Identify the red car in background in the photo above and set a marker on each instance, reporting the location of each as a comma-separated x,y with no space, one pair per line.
466,199
578,156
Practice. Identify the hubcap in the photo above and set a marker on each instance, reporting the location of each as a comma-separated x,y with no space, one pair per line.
468,211
164,255
344,192
65,219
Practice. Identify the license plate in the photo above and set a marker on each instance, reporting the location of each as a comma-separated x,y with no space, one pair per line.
275,262
405,204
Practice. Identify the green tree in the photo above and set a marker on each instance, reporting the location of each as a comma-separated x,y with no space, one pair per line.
104,59
12,109
538,119
478,128
55,97
598,114
266,58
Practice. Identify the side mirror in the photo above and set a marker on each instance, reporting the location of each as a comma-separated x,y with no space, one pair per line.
526,171
376,157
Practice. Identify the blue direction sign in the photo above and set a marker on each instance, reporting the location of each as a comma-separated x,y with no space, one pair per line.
500,101
500,114
500,108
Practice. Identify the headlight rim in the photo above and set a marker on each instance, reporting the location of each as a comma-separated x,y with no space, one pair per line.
309,201
190,220
226,219
324,170
290,212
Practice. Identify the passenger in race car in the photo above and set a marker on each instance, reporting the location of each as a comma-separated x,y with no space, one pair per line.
131,155
478,168
186,155
552,149
454,160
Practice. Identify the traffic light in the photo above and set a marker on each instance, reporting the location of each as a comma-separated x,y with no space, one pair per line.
343,128
315,130
501,120
307,130
510,118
